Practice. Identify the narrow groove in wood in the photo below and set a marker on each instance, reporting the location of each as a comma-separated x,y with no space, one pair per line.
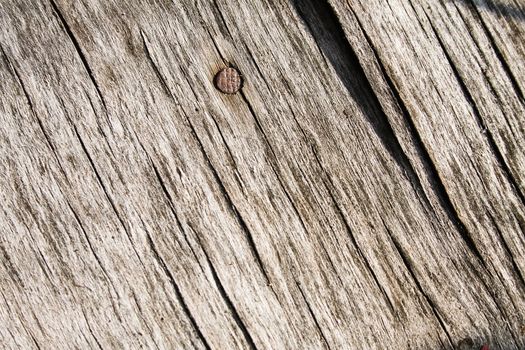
517,271
42,262
360,251
33,112
303,9
438,186
141,315
88,240
100,129
223,21
479,119
258,68
176,288
238,176
169,199
153,64
235,211
90,329
227,300
8,264
312,315
408,265
74,40
342,56
106,193
488,78
273,162
497,51
329,189
218,180
163,187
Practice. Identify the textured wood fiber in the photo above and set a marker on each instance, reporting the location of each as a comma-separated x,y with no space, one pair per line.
364,190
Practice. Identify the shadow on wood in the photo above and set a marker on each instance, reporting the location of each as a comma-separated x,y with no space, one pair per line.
500,8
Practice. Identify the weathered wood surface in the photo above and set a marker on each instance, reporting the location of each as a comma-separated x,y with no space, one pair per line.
364,190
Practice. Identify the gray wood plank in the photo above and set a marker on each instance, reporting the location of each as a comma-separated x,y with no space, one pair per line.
363,190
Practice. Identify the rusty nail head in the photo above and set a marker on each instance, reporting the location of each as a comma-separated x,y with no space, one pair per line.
228,80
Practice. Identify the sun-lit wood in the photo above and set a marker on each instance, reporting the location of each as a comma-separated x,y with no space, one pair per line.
365,189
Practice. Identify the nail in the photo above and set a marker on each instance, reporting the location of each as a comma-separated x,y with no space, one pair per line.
228,80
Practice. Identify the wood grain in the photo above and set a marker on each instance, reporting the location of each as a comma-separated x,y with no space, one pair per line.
364,190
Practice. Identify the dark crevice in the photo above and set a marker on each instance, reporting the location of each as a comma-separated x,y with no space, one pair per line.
171,203
178,293
292,203
238,176
228,149
44,265
153,64
472,5
328,33
332,265
33,339
170,302
274,168
229,201
495,299
320,242
499,7
218,180
144,322
222,18
312,315
22,323
10,268
435,178
408,264
162,186
329,188
488,77
421,26
309,22
106,193
233,208
479,119
76,44
492,293
257,67
31,107
225,61
507,250
411,172
238,216
227,300
42,262
273,161
91,330
437,184
97,175
336,47
13,337
97,258
88,240
359,250
106,139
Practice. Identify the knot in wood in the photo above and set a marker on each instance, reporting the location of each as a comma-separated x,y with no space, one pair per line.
228,80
